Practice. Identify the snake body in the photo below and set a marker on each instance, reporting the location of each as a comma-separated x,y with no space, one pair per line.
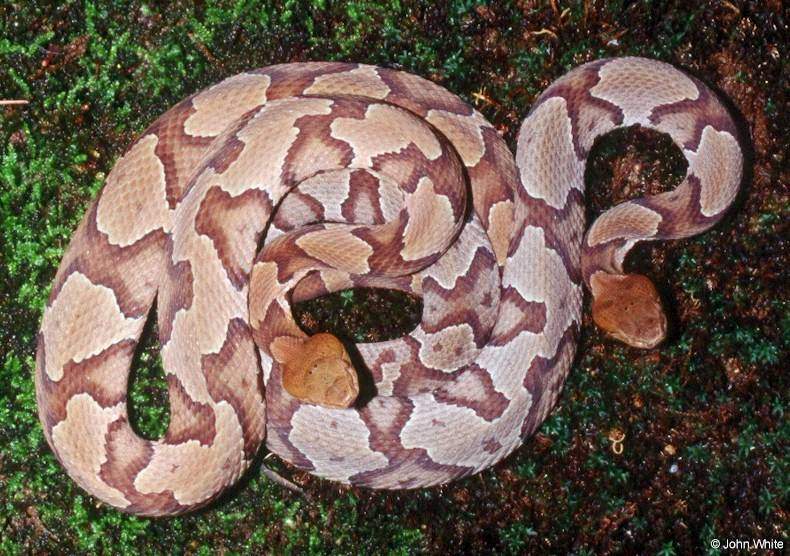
352,175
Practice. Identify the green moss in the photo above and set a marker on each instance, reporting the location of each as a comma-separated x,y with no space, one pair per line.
149,411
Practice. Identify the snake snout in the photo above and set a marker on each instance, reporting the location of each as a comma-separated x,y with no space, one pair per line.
629,308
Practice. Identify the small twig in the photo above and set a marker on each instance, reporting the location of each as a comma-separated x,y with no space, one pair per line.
732,7
279,479
202,47
12,102
481,97
544,31
616,437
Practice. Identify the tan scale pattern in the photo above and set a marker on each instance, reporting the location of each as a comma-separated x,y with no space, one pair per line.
358,176
138,182
82,321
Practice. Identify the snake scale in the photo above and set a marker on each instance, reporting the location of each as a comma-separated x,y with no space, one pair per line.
296,180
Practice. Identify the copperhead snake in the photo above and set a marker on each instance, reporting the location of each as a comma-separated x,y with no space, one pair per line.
292,181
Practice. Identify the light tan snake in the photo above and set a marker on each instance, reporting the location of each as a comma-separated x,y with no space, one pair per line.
356,176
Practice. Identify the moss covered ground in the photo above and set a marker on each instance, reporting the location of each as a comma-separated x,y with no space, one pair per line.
703,418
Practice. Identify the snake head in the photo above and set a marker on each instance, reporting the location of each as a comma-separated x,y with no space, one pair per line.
628,307
320,372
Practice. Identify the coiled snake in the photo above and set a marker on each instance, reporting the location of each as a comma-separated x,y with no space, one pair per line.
356,176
